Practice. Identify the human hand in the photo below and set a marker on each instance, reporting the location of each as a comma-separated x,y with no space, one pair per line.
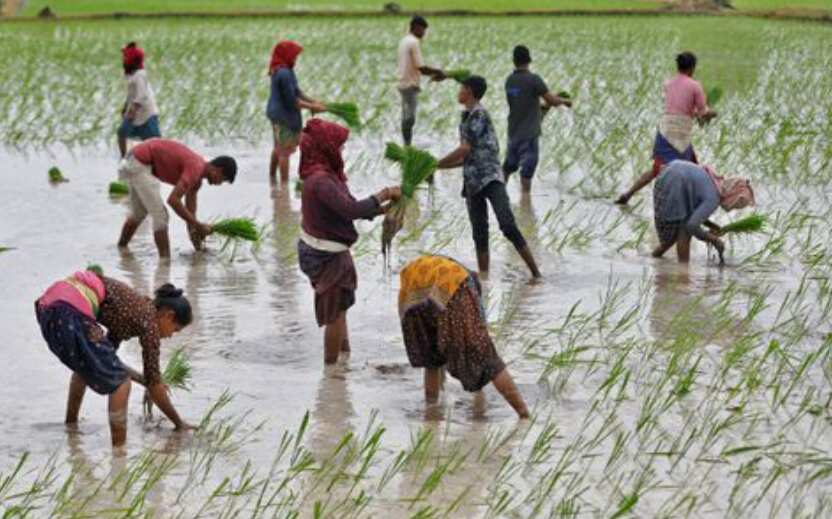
201,230
394,193
317,108
438,76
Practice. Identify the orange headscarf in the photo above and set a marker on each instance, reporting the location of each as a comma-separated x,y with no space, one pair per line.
284,54
734,192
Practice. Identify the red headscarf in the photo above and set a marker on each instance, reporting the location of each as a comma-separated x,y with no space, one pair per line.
132,56
284,54
320,149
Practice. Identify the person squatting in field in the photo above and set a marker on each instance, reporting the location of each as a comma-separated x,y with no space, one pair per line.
483,181
685,196
286,101
139,116
444,327
164,160
71,313
327,231
524,92
684,102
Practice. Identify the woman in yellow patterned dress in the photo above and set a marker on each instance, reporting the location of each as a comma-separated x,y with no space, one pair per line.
443,323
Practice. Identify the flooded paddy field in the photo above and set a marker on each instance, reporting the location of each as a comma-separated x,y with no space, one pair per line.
657,389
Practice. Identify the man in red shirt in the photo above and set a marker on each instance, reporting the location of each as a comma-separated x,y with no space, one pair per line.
164,160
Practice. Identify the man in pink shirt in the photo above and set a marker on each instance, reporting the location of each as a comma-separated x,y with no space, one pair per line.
164,160
684,103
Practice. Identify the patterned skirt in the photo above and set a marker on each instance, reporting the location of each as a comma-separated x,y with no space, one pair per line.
668,231
71,336
334,279
456,337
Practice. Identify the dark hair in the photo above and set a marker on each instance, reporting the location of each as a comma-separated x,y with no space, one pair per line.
522,56
228,166
477,85
170,297
418,21
686,61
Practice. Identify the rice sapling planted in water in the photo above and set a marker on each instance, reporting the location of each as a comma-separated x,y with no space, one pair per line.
348,112
750,224
417,166
118,188
55,175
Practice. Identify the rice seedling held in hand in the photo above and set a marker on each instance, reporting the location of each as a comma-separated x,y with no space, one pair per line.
714,95
750,224
348,112
177,375
564,94
55,175
237,228
118,188
417,166
95,267
458,75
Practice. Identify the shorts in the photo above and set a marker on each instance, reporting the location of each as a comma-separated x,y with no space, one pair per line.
523,155
81,346
284,137
145,195
142,132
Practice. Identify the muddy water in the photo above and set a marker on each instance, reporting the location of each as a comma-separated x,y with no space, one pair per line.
254,333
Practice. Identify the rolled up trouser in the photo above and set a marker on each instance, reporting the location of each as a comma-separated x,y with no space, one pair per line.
410,101
145,195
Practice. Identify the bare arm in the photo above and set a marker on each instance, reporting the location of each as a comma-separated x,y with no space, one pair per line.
554,100
455,158
175,202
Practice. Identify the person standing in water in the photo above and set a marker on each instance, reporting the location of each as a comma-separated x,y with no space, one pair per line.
684,197
286,100
479,155
171,162
411,68
327,230
140,116
71,313
684,103
444,326
524,92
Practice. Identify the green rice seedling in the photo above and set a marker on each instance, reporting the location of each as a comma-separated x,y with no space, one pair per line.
750,224
459,75
118,188
564,94
417,166
56,176
348,112
6,249
95,267
714,95
237,229
178,371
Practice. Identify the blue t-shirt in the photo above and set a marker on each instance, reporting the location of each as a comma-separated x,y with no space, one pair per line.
283,108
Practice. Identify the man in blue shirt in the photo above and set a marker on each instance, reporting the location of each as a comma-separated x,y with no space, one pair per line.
285,103
479,155
524,91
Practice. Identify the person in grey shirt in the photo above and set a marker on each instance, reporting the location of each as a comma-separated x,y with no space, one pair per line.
684,197
524,91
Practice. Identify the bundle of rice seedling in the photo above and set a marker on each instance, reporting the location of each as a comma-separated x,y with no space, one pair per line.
458,75
417,166
95,267
237,228
6,249
56,176
564,94
119,188
714,95
177,375
346,111
750,224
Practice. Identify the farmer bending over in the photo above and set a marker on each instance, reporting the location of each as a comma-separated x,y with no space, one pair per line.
71,313
444,326
479,155
173,163
684,197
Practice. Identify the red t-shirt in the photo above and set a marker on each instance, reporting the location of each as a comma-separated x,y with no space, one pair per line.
172,162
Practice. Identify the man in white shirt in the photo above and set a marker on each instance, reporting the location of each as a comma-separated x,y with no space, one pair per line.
140,114
410,72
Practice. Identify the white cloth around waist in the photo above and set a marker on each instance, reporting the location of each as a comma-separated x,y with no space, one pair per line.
130,166
321,244
677,129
